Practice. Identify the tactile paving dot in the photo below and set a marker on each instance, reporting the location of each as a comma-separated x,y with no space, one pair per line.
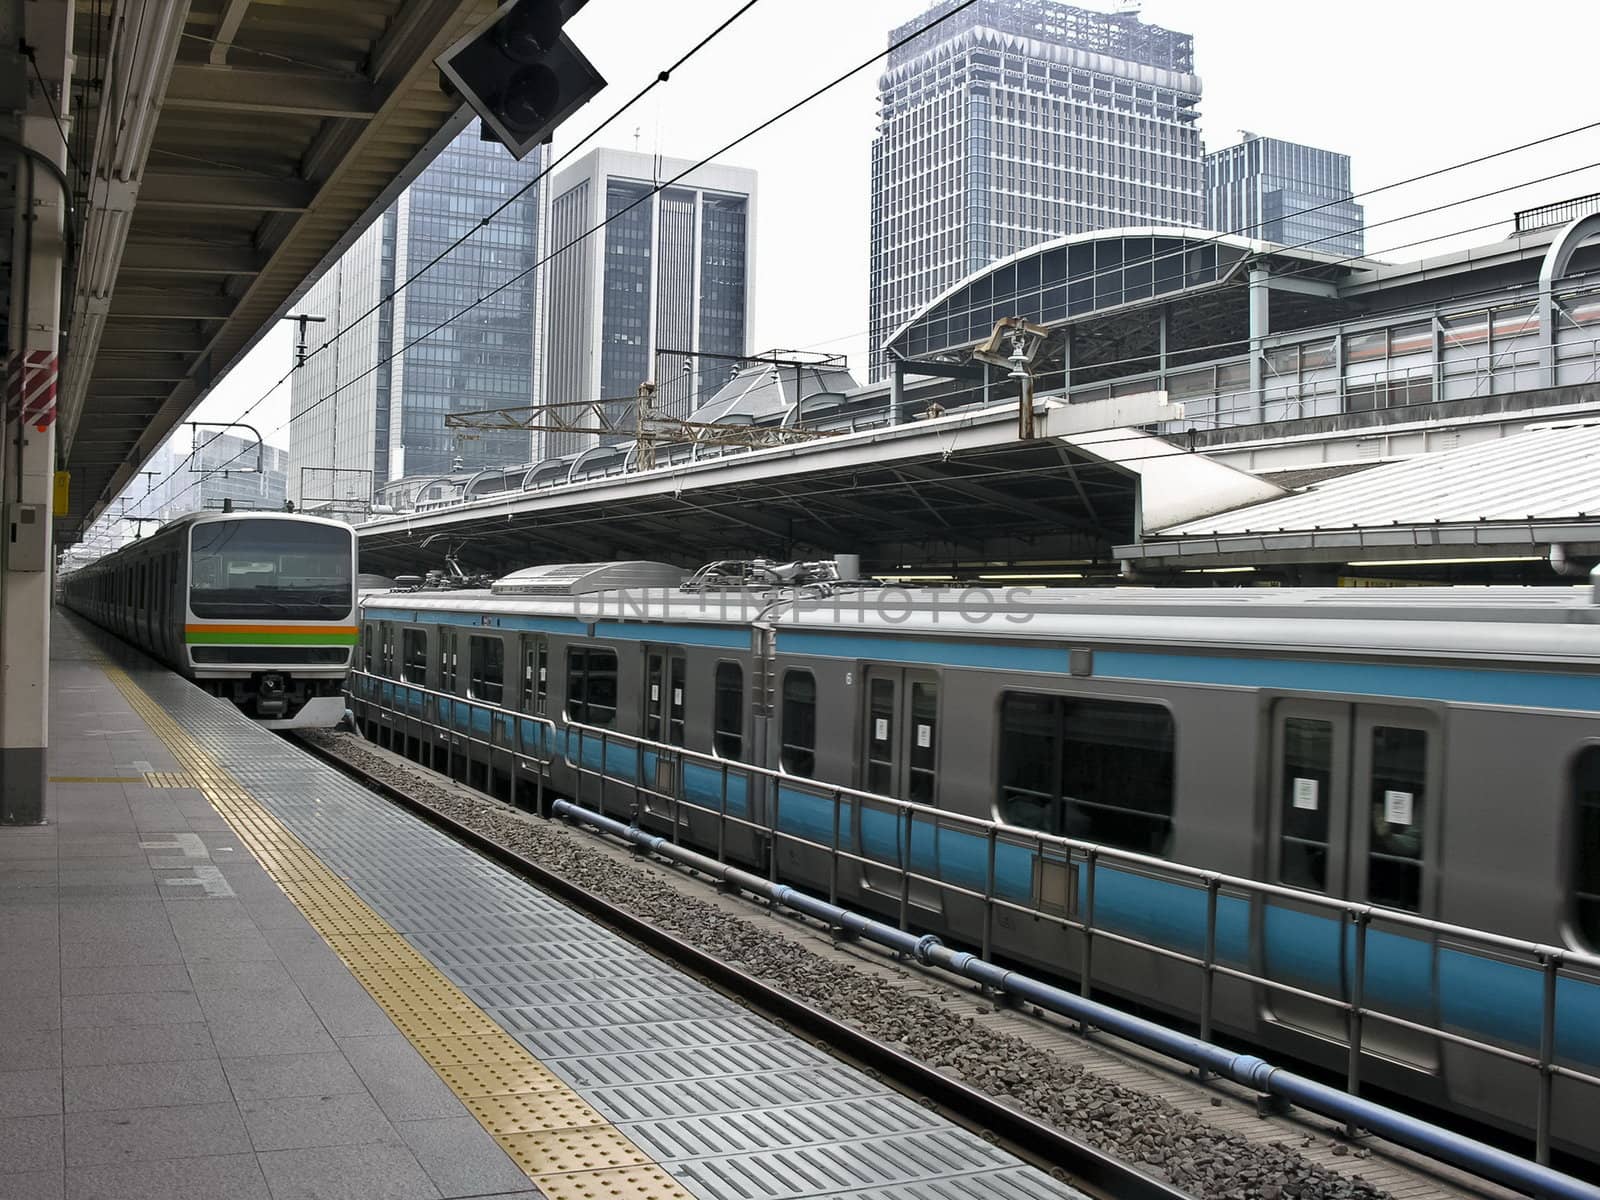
516,1114
563,1150
621,1183
499,1079
559,1140
462,1051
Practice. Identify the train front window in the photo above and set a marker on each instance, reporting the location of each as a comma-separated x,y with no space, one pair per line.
266,570
1586,863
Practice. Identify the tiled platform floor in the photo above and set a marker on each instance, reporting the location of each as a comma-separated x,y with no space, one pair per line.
171,1026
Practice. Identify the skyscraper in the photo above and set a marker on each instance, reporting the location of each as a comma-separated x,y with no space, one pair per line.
1017,121
1286,193
669,271
370,408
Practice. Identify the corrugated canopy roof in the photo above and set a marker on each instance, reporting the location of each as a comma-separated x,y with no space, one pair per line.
1519,495
1548,473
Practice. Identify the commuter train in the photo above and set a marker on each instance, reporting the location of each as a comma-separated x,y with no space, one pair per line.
255,607
1369,768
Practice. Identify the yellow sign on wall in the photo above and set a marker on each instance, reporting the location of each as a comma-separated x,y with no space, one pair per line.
62,494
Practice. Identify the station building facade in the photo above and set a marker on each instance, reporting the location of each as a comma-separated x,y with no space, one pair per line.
1244,332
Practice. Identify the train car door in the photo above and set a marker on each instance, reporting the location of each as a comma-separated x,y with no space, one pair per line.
664,705
535,656
900,755
1355,814
664,692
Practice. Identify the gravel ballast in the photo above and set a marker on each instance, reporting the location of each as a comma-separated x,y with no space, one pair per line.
1201,1159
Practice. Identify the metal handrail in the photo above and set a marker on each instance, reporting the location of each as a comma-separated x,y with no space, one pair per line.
1551,961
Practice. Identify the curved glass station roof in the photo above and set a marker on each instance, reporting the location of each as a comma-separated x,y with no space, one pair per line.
1074,276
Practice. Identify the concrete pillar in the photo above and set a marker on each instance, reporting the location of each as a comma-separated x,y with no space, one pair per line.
1161,362
1259,328
28,455
897,391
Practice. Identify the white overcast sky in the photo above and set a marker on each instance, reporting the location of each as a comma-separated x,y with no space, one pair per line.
1403,86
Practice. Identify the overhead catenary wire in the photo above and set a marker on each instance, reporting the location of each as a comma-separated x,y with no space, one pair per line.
659,187
1310,269
1545,139
661,77
766,124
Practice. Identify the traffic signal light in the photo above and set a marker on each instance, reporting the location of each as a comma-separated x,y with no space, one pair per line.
520,73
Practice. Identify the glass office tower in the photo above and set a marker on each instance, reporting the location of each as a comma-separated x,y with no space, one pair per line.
1014,122
670,271
371,406
1284,192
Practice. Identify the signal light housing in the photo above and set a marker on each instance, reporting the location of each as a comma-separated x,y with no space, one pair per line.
520,73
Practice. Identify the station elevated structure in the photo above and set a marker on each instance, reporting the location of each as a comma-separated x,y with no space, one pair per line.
1285,364
959,488
1245,333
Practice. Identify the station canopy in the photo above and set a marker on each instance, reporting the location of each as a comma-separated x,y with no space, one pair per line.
1132,299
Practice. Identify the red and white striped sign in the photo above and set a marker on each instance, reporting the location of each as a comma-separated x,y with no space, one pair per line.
31,388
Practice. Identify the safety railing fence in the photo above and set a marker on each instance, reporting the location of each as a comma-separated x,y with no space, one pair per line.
887,840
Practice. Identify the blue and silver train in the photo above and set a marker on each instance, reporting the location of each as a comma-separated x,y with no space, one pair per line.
1319,792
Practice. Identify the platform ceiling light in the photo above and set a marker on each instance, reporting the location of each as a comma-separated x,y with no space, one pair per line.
520,73
1446,562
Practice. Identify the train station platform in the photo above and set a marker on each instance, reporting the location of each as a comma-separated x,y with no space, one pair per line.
228,970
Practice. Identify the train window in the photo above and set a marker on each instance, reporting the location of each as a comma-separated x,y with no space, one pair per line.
664,691
880,743
535,675
486,669
387,648
591,685
675,700
1399,794
447,660
368,636
1095,770
728,720
414,656
1586,865
924,741
655,665
798,753
1303,796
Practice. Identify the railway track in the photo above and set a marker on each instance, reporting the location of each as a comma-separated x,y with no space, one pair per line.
1072,1160
1105,1115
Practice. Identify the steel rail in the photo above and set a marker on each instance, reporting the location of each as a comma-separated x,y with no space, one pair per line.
1053,1150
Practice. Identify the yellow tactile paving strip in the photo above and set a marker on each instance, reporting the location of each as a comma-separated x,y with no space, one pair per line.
564,1145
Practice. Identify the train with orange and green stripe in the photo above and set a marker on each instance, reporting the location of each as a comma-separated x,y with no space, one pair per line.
255,607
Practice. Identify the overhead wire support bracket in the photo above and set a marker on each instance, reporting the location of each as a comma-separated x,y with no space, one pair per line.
648,428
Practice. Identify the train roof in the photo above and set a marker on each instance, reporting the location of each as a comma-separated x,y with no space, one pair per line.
188,520
1551,624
